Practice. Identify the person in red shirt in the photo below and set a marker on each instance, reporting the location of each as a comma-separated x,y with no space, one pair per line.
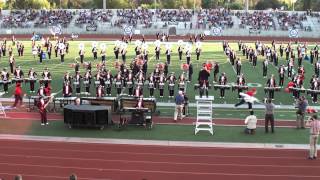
18,94
249,98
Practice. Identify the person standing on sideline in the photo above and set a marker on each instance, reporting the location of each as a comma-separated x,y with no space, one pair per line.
269,117
179,100
302,104
314,125
18,94
251,122
42,105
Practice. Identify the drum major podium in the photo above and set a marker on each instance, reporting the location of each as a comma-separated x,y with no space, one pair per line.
204,114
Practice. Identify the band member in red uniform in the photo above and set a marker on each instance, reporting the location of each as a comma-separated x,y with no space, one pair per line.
42,105
18,94
67,90
249,98
100,91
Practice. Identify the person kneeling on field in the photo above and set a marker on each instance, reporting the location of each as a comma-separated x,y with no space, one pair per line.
251,122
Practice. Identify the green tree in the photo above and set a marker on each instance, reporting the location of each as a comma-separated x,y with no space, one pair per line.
266,4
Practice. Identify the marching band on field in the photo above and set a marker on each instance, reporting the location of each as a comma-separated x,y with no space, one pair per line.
135,76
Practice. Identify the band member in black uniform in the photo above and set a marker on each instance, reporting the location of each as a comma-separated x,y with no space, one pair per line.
216,70
271,83
18,74
87,81
49,50
265,68
288,50
300,60
67,89
180,51
12,62
103,55
171,83
118,83
168,53
94,53
162,80
123,55
62,53
240,82
315,85
232,56
222,81
130,83
138,91
281,49
275,58
238,66
116,51
108,82
182,82
137,49
198,52
32,75
317,68
10,50
255,59
311,56
5,79
77,82
316,52
203,79
81,54
290,67
99,80
188,56
145,54
100,91
67,78
157,49
298,83
190,72
281,72
151,85
46,76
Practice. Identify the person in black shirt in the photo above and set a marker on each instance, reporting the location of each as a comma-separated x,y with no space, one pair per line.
203,79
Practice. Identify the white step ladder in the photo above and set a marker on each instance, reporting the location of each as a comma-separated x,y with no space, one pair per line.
204,114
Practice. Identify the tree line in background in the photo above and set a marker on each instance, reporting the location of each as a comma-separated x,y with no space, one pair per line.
300,5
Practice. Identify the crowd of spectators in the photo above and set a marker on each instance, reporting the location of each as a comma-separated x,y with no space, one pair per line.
261,20
177,15
18,19
214,18
93,17
293,20
54,17
134,17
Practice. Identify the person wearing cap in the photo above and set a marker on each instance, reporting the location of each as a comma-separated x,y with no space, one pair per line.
18,93
314,125
179,100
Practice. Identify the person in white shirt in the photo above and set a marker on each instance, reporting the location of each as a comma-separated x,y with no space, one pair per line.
251,122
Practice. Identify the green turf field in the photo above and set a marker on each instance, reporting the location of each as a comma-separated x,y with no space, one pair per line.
174,133
210,51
